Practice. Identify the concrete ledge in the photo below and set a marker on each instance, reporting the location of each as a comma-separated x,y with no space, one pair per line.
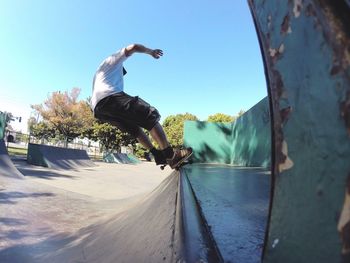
192,237
57,158
120,158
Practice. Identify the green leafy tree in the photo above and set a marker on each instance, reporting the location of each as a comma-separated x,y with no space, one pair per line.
140,151
42,130
220,117
174,127
110,137
63,112
31,123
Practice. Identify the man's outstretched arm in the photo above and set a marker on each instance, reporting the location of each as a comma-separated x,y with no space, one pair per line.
137,48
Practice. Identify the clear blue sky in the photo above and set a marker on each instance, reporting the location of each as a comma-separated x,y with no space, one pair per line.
211,63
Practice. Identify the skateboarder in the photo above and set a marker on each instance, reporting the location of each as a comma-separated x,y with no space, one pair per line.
130,114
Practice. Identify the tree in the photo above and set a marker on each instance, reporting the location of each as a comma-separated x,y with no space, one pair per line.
110,137
220,117
42,130
174,127
88,119
63,112
31,123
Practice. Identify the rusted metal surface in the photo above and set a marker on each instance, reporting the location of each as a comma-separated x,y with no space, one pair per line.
345,111
306,51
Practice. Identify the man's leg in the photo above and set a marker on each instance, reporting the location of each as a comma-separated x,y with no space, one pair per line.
166,154
172,157
159,136
130,113
145,141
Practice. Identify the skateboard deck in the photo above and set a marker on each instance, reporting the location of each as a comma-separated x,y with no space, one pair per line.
183,162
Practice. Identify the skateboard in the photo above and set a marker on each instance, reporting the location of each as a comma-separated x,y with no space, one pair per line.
183,162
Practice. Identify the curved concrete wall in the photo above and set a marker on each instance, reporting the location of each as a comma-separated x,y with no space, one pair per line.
2,124
305,46
6,166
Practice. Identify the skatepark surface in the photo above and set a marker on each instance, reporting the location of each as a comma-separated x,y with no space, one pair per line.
129,213
50,211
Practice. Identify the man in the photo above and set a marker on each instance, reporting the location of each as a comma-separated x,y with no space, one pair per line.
130,114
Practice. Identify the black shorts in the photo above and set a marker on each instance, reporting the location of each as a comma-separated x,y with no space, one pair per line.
127,113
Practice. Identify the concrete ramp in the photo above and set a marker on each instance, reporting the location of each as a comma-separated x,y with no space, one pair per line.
121,158
133,158
6,166
57,158
165,226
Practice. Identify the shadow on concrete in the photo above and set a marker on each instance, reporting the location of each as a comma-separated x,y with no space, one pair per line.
49,175
44,250
12,197
9,221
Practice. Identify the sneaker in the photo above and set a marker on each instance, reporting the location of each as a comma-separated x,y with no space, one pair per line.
180,155
158,157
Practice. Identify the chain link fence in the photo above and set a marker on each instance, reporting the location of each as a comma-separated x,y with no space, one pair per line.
20,141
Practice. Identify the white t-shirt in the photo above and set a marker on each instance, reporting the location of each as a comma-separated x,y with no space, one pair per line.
108,79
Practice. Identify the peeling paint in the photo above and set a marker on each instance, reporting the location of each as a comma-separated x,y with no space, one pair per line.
275,243
298,4
345,111
306,51
336,34
285,114
310,11
344,221
285,27
269,19
272,52
288,163
276,53
281,48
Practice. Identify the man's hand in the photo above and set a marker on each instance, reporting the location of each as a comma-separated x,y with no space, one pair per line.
137,48
157,53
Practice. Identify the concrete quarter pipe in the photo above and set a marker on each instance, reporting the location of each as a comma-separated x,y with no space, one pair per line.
6,166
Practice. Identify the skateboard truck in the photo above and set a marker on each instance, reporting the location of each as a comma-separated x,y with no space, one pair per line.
177,167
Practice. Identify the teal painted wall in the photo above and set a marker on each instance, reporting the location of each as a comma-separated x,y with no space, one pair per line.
251,137
245,142
211,142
